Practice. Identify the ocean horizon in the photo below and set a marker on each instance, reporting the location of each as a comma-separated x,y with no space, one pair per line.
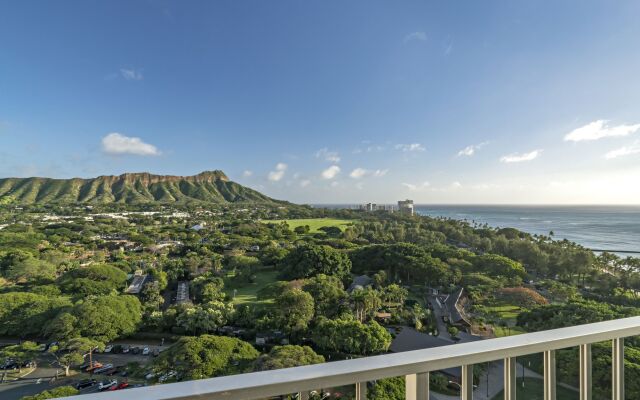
614,228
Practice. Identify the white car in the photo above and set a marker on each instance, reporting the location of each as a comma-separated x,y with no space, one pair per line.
107,384
102,369
145,351
108,348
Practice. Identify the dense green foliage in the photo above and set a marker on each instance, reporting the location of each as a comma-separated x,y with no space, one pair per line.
207,356
61,391
308,260
287,357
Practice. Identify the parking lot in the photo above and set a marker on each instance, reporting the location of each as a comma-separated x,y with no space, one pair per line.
41,378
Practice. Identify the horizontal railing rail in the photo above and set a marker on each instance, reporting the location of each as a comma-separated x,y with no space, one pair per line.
414,365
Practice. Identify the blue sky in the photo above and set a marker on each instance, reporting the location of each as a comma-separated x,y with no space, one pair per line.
331,101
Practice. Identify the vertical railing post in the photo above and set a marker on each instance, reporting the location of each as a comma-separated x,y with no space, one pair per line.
417,386
585,372
466,388
303,395
361,391
510,378
617,368
550,375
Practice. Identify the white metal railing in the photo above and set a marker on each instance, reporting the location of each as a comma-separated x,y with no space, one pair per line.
414,365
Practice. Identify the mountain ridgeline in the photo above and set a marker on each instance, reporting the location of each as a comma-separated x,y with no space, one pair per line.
130,188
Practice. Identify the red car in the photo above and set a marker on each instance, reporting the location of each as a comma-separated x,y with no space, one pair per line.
123,385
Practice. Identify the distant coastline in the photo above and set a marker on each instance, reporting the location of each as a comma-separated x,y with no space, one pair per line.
597,227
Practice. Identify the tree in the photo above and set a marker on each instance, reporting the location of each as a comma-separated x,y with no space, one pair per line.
388,389
394,294
287,357
104,318
351,336
98,279
26,314
207,356
366,302
294,310
328,294
72,352
496,265
205,318
308,260
60,391
151,296
30,269
21,353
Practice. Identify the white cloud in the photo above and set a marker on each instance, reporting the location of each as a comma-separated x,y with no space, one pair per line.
414,187
131,74
358,173
624,151
305,183
278,174
330,156
334,184
456,185
361,173
600,129
419,35
471,149
330,172
116,143
520,157
410,147
247,173
379,173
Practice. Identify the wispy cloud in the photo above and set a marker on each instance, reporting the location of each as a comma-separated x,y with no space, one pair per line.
131,74
633,148
600,129
278,174
330,172
330,156
471,149
410,147
247,173
418,35
521,157
413,187
116,143
361,173
305,183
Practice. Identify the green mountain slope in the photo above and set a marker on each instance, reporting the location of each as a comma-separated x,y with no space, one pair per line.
136,188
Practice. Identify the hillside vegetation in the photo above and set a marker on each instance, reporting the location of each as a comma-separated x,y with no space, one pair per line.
131,188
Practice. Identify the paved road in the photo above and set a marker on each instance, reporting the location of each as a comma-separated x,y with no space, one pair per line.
438,313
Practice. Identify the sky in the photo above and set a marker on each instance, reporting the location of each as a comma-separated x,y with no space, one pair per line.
492,102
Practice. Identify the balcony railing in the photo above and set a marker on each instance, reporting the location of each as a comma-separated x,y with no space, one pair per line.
414,365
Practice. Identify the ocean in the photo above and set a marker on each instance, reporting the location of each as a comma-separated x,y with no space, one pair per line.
611,228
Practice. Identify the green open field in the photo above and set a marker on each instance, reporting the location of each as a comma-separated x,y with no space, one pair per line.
314,223
533,390
247,293
507,313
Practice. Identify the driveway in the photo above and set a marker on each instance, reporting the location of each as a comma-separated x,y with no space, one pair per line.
438,313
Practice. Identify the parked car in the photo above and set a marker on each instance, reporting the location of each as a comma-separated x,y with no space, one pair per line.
93,367
106,385
103,369
156,352
123,385
150,375
145,351
135,350
108,348
126,349
85,383
167,376
112,371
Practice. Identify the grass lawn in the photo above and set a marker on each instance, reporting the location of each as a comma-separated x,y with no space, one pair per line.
532,390
505,311
314,223
247,293
515,330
